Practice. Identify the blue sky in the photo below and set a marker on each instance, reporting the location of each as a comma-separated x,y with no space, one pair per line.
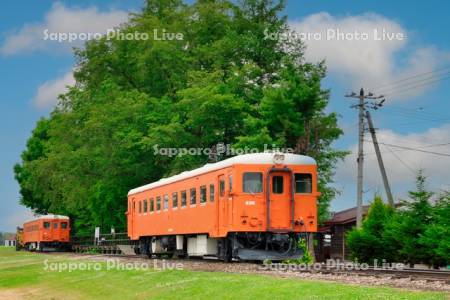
33,71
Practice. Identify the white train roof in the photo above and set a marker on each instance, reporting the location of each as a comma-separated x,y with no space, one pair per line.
42,217
250,159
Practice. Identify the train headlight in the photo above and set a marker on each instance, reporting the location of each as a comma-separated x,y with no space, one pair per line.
278,158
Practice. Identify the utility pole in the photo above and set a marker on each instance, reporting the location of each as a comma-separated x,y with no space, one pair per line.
380,159
361,107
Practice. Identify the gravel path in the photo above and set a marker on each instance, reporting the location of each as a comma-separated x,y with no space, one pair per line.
251,268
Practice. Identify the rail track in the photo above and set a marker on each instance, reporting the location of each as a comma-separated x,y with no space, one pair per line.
202,264
413,274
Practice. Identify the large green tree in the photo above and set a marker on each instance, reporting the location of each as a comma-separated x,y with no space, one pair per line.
224,82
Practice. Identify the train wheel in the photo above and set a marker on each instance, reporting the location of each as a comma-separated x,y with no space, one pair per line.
145,247
225,250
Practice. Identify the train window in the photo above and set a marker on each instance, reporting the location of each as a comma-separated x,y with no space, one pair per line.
230,183
140,206
175,200
211,193
55,225
193,196
46,225
145,205
222,188
64,225
203,194
252,182
277,184
303,183
183,198
166,202
158,203
152,205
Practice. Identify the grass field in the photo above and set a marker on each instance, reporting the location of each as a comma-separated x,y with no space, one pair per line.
23,276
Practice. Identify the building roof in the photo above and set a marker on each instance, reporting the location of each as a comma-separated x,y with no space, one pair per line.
11,238
345,216
251,159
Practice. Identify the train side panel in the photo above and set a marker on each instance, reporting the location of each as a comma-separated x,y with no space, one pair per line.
159,216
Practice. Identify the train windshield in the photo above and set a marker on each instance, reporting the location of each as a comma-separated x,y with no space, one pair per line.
252,182
64,225
303,183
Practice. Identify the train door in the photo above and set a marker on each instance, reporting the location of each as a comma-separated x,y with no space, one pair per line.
54,230
46,232
130,216
223,205
280,200
229,194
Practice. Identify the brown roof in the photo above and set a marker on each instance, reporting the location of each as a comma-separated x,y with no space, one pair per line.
346,216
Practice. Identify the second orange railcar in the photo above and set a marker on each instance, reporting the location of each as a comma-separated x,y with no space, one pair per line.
47,232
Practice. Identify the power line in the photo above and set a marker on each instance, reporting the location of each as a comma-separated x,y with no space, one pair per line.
412,124
418,147
417,81
399,159
419,111
407,114
393,83
413,149
416,85
429,145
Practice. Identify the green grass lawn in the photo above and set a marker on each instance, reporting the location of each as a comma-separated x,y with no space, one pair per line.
22,276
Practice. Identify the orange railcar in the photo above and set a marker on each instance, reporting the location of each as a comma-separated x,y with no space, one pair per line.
250,207
47,232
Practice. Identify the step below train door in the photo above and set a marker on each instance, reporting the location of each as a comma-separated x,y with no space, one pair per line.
279,200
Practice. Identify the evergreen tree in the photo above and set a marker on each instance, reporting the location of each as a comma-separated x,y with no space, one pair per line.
366,244
436,237
410,224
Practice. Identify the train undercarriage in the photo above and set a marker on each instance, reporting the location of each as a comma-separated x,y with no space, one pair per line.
47,246
246,246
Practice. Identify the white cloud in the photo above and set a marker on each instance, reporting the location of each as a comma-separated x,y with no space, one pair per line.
61,19
402,166
48,92
366,61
